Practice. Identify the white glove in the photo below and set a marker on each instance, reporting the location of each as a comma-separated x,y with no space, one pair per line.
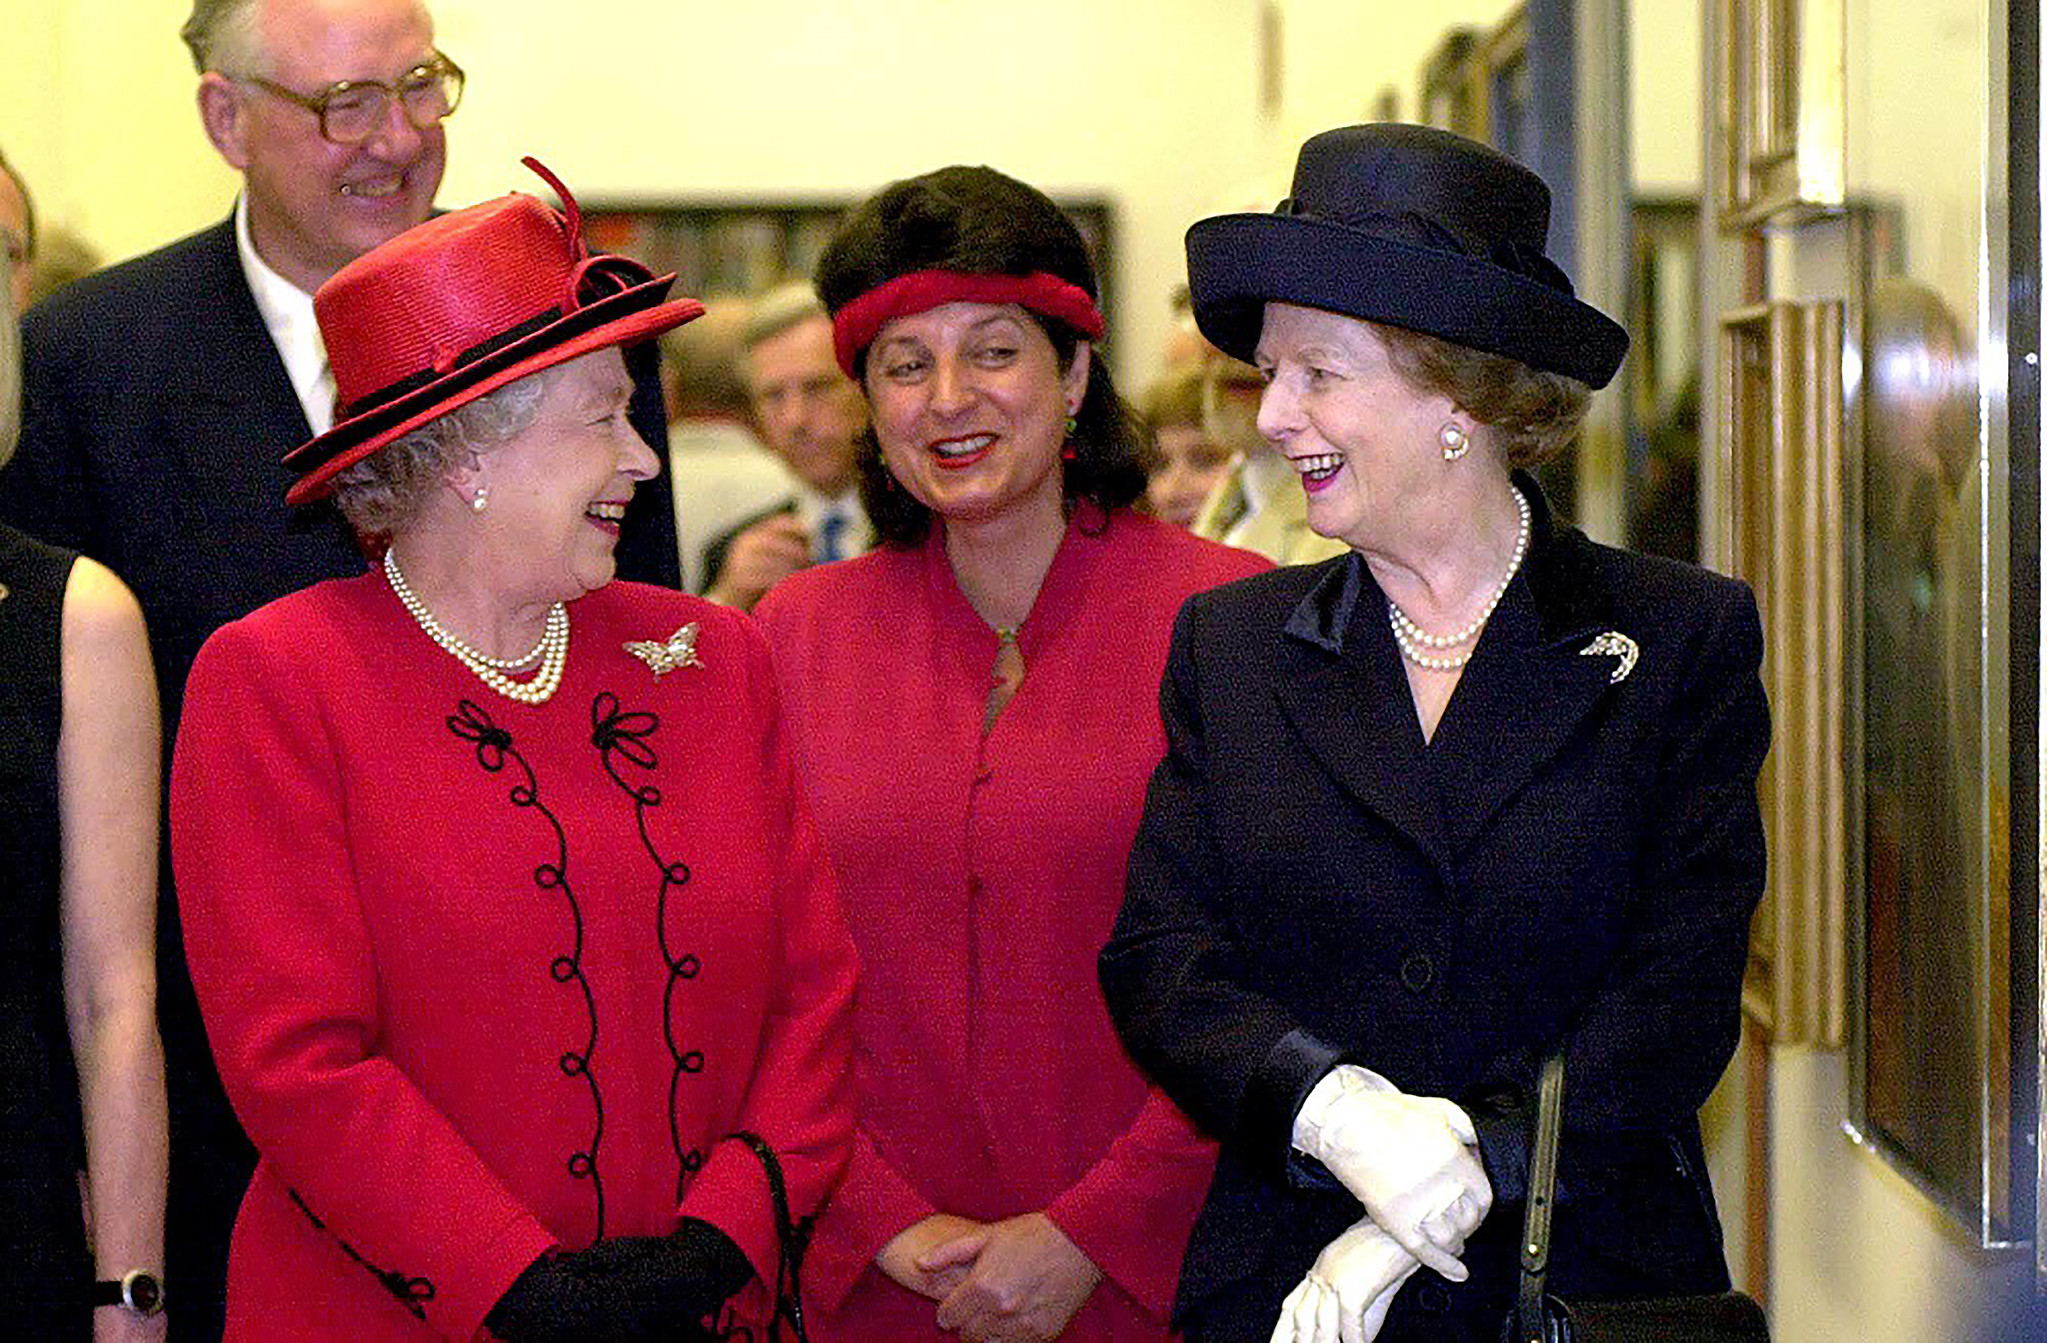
1408,1159
1349,1290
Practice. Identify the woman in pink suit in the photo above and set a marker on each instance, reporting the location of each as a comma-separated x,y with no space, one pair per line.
975,712
521,962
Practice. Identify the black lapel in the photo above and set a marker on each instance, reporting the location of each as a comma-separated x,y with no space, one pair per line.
1530,684
1345,695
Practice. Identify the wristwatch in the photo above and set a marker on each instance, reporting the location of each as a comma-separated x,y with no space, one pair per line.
138,1291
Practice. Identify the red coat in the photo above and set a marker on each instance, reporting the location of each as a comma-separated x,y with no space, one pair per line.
443,942
980,878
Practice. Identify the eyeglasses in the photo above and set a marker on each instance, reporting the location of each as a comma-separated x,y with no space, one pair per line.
355,109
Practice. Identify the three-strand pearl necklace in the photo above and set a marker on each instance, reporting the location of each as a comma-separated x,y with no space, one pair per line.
1414,640
552,652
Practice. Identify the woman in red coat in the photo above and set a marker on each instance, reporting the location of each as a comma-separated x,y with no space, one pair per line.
518,954
975,711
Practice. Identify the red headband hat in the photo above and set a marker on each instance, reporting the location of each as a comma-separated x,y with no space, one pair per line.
855,325
460,306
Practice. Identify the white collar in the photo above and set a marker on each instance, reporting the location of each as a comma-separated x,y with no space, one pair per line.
287,312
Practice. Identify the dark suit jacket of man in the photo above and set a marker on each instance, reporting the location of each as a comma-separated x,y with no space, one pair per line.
155,412
1570,852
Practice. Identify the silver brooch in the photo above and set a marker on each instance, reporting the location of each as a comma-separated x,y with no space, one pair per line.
678,650
1614,644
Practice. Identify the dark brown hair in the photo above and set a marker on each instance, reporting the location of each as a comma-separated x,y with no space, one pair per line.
981,222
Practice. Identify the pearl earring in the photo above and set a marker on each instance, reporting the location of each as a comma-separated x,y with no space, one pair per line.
1455,443
481,499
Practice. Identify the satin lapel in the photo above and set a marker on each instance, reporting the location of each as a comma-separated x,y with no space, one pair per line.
1353,713
1529,687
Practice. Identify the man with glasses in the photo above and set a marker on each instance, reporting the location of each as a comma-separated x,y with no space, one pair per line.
160,395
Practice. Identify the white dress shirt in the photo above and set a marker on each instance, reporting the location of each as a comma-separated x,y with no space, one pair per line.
288,313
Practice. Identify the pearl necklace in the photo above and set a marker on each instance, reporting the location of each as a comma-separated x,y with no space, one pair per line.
1412,638
552,652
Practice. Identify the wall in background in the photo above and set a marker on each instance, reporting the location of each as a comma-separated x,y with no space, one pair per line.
1155,103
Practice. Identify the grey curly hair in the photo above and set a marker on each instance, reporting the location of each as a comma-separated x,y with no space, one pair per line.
384,493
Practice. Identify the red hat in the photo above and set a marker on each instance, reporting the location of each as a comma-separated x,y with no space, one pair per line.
462,305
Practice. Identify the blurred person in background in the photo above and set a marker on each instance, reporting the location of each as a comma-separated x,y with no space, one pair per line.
812,417
61,256
722,474
1256,504
18,242
1182,464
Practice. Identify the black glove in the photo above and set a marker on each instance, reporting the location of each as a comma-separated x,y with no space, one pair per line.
629,1289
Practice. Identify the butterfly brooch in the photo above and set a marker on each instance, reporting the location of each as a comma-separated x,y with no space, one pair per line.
677,650
1616,645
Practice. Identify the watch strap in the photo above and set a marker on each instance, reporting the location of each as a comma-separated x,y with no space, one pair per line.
138,1291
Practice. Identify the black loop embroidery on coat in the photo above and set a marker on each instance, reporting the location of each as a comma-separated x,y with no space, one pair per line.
494,747
412,1293
613,729
622,734
471,723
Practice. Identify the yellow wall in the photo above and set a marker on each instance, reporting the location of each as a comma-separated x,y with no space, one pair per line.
1154,102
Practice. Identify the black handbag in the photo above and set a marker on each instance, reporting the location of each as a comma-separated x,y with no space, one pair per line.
1540,1317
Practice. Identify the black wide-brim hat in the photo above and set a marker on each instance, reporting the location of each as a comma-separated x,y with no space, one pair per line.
1413,227
462,305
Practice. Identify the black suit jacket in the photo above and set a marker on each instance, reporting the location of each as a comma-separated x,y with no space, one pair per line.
1312,884
155,415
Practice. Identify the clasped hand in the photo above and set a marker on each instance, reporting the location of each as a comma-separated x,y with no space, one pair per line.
1410,1161
1019,1280
1345,1297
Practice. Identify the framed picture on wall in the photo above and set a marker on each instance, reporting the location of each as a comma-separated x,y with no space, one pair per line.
743,247
1449,92
1780,426
1782,109
1935,1059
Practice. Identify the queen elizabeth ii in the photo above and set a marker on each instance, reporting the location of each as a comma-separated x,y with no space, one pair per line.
512,938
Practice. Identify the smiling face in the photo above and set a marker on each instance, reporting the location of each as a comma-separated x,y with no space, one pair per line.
1363,438
810,413
559,487
314,206
970,406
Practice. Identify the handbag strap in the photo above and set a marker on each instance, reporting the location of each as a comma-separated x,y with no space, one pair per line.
1542,1189
794,1236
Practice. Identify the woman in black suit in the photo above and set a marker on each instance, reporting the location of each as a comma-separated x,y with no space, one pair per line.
1436,804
